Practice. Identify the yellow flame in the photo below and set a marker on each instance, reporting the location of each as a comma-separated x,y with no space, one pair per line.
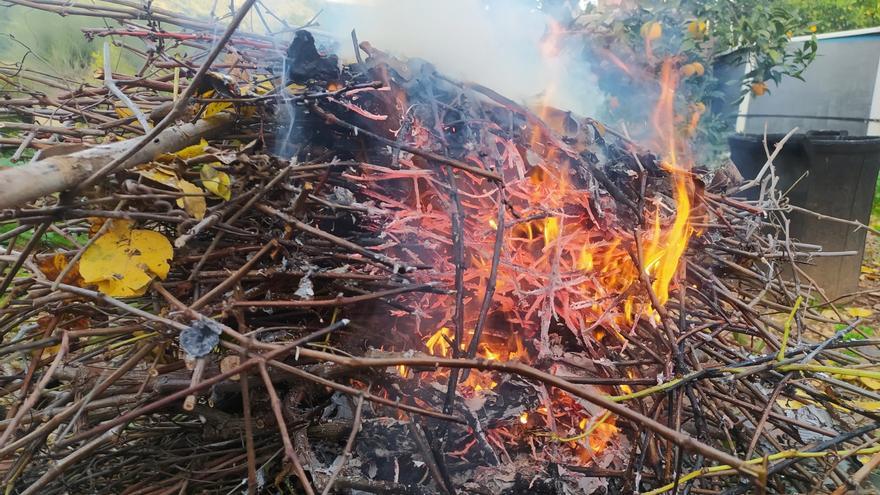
524,418
628,309
437,344
490,354
676,240
551,230
662,263
585,259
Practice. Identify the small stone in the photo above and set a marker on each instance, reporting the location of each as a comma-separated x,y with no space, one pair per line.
200,337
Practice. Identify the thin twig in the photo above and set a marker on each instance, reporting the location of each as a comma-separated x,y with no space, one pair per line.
349,445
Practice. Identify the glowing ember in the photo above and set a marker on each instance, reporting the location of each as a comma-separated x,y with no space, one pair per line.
524,418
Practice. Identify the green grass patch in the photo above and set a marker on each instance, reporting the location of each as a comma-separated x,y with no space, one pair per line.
859,333
49,239
875,210
6,157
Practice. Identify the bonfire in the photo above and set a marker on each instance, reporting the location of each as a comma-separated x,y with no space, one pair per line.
274,273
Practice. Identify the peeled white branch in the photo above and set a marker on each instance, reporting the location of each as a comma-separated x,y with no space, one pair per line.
111,85
19,185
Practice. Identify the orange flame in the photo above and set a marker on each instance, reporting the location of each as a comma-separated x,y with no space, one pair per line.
438,344
662,258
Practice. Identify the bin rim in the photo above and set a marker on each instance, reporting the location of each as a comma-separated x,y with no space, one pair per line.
846,143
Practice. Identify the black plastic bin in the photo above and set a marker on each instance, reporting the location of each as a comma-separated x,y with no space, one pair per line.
836,176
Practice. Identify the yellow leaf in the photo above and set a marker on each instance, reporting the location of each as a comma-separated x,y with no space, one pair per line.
264,87
871,383
123,262
859,312
192,151
212,109
186,153
651,30
868,405
194,201
123,112
162,176
697,29
50,351
791,404
216,181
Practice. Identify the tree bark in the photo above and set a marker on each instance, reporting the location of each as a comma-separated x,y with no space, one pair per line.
19,185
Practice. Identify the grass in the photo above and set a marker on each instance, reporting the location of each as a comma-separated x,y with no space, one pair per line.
6,157
50,239
875,211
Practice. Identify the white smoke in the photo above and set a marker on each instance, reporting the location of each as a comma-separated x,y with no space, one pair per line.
497,44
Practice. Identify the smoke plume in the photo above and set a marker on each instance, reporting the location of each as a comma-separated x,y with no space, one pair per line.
500,44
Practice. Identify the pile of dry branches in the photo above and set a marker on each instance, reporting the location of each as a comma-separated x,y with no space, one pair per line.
251,270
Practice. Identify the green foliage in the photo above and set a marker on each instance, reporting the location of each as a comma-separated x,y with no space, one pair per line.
49,239
6,157
55,45
861,333
6,154
701,32
875,211
757,31
838,15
